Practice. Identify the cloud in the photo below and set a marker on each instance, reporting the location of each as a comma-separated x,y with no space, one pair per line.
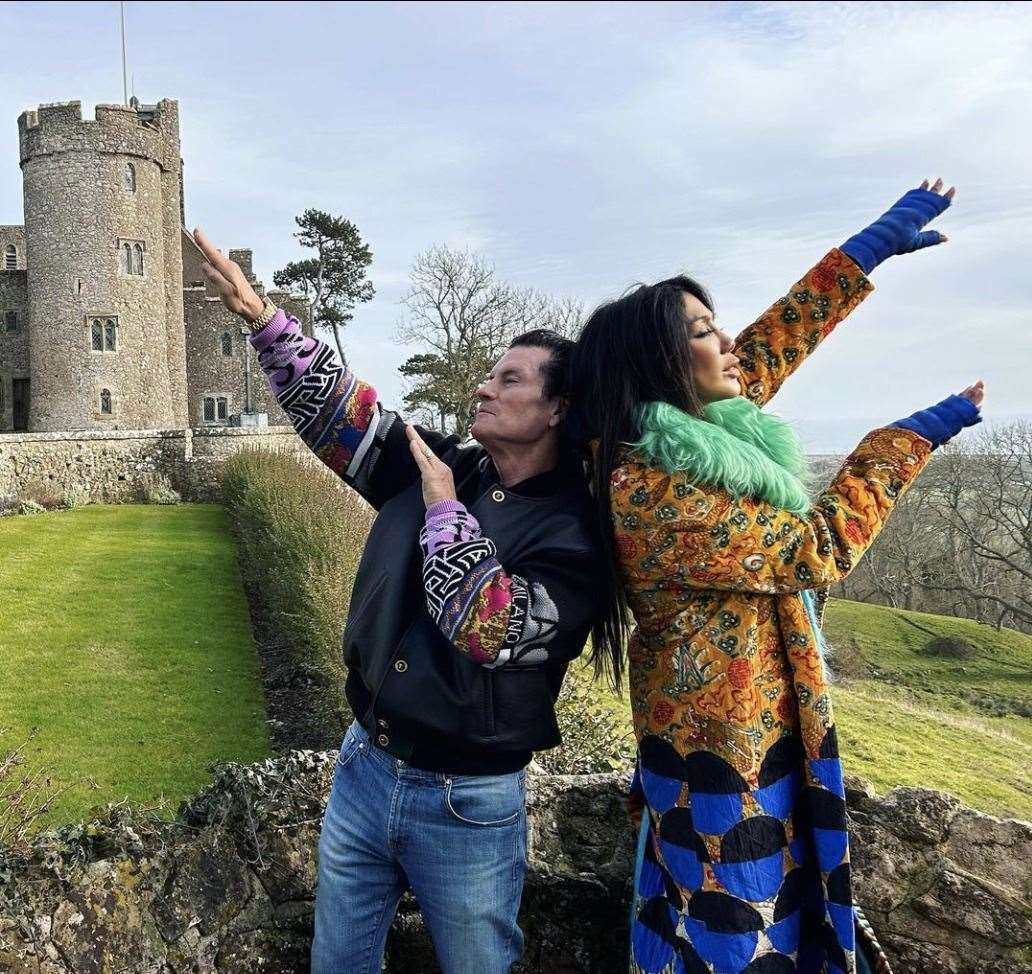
585,147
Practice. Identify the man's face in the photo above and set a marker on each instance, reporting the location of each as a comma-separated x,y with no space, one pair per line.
512,408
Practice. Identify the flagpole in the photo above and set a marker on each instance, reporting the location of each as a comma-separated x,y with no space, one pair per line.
125,83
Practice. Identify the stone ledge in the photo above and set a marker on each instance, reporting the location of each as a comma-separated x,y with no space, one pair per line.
228,886
58,436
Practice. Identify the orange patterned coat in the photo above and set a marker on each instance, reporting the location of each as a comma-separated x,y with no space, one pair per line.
738,758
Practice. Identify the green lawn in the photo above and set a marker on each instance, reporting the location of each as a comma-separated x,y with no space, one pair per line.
908,718
125,638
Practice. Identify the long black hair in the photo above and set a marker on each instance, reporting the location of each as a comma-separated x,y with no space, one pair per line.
631,351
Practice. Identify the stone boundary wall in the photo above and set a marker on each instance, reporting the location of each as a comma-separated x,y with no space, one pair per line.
228,887
123,465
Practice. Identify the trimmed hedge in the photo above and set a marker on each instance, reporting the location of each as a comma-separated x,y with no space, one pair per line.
300,534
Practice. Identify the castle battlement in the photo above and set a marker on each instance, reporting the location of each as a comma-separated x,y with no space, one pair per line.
147,131
115,329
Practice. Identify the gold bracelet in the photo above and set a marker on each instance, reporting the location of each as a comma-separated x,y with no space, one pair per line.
268,312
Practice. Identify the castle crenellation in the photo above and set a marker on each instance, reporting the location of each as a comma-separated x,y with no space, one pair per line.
106,323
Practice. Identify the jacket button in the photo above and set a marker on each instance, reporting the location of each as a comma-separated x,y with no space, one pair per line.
382,723
383,740
401,666
498,496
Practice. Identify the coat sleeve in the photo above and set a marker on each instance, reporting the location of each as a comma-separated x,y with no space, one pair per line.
671,532
336,413
497,616
789,331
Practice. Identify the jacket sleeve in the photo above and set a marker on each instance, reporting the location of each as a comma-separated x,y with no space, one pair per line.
519,615
789,331
335,413
669,531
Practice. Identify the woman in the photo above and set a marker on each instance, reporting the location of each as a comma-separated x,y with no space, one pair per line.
717,546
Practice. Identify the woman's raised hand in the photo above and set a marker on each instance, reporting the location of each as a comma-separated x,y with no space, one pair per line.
975,393
900,230
940,423
228,279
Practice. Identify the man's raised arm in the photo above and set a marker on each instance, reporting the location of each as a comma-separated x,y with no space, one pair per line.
333,411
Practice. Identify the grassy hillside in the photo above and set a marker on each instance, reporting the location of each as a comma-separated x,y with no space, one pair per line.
125,638
908,716
911,715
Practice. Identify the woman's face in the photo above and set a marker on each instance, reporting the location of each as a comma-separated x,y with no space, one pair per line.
714,367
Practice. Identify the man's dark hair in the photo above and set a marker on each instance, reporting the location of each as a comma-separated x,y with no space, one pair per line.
556,368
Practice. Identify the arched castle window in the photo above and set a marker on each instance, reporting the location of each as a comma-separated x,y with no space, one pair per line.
105,402
10,258
227,343
130,257
129,177
104,334
10,320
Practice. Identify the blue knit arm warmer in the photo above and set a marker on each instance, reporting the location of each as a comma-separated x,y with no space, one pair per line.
899,231
940,423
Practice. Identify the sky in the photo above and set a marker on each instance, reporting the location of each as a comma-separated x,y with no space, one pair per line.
582,148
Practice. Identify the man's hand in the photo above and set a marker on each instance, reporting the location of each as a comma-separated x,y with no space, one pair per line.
228,279
438,483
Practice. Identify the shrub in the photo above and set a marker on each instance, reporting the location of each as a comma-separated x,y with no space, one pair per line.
950,647
75,496
300,535
25,796
846,660
162,492
39,497
596,739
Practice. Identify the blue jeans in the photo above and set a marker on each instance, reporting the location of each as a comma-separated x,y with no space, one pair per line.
459,842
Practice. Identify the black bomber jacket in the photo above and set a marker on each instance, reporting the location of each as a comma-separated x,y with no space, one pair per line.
417,696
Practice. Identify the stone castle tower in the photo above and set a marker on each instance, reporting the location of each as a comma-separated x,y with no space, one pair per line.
105,321
105,290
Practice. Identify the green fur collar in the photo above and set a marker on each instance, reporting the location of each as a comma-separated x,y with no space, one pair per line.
737,446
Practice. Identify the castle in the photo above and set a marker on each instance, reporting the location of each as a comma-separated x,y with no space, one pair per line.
105,320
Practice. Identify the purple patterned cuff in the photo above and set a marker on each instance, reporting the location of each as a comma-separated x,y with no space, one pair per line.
444,507
261,340
447,522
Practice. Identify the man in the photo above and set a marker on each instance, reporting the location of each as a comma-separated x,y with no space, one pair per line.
477,587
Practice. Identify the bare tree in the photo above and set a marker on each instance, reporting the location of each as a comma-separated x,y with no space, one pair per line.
982,495
464,318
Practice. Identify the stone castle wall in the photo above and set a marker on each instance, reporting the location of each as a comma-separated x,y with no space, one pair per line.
14,346
123,465
209,371
13,236
80,209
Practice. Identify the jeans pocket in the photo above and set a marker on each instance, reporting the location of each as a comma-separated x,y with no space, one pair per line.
350,747
486,800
